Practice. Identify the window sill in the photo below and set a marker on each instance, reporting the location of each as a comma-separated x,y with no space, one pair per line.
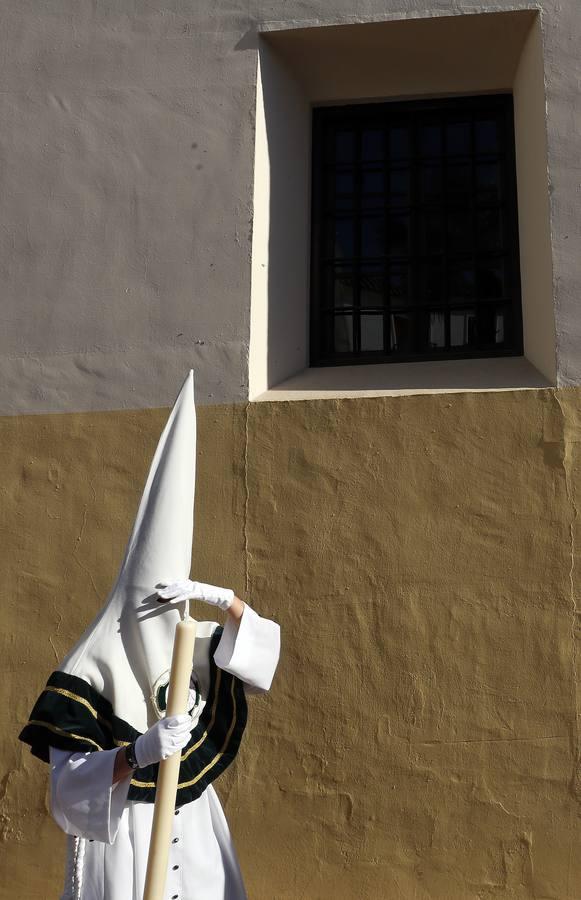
449,376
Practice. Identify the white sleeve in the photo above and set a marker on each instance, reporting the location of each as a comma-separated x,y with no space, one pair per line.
250,649
84,802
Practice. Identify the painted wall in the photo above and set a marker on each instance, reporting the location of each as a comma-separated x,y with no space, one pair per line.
421,554
127,165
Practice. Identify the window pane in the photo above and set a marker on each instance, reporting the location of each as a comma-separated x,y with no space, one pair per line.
399,142
344,146
371,333
500,327
399,286
459,184
399,186
463,328
458,138
489,225
493,326
372,145
373,181
459,231
372,286
486,136
401,332
343,182
343,334
344,203
490,281
399,227
488,183
372,237
461,283
343,288
343,239
431,232
326,334
431,285
431,184
340,187
430,140
435,330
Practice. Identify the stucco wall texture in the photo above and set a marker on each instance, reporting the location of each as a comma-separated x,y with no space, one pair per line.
421,553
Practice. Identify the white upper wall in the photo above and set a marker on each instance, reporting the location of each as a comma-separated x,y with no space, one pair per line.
127,137
126,159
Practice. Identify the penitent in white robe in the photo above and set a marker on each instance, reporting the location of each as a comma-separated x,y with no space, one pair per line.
109,835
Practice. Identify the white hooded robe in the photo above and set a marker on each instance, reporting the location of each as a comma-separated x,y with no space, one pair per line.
107,691
110,859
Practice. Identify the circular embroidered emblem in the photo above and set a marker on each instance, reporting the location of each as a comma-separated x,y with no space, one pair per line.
159,695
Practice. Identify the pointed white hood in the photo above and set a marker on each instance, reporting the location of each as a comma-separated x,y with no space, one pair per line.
128,646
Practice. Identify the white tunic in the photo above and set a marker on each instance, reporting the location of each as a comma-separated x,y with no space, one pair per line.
110,859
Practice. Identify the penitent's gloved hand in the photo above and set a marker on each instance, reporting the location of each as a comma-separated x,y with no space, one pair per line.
163,739
180,591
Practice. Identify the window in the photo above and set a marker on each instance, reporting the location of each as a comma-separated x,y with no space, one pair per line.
414,232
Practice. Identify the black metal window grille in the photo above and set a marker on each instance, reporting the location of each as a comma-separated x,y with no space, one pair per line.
415,232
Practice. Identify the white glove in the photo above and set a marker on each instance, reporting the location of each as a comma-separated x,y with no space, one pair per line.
180,591
163,739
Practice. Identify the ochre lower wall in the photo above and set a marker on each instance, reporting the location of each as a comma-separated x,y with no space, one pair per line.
420,553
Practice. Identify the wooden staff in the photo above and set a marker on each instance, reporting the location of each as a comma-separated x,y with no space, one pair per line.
169,769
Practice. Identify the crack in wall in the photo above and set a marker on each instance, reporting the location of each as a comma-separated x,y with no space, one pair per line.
59,617
76,559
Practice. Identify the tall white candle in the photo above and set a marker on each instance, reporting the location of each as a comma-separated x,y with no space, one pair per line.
169,769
